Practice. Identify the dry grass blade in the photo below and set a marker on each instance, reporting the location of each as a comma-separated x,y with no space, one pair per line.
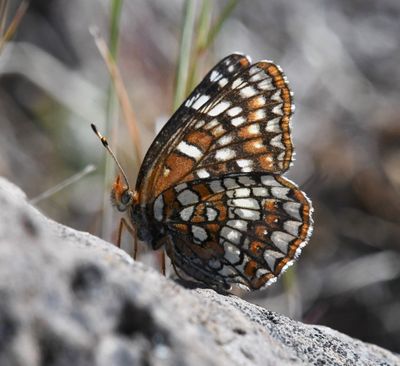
3,15
184,53
75,178
7,35
120,89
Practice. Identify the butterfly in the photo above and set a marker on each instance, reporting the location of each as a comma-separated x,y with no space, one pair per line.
210,189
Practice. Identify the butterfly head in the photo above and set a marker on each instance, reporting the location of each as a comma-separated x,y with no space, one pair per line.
122,197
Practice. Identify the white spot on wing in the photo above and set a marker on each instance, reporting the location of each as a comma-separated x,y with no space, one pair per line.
216,186
225,140
199,124
202,173
190,101
234,111
247,214
238,224
211,214
187,197
253,129
245,203
260,192
223,82
256,77
200,102
245,165
189,150
292,227
271,256
261,272
236,83
280,192
242,192
273,125
277,96
219,108
214,75
225,154
293,209
281,240
254,69
186,213
281,156
277,141
230,183
199,234
266,84
246,181
278,109
238,121
158,208
180,187
232,253
232,235
248,92
269,180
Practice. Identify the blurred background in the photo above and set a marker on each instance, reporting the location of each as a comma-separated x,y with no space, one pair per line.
342,60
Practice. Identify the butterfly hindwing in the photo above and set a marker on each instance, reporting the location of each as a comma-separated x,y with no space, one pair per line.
243,229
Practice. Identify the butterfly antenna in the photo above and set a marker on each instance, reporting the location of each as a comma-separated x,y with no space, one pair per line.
105,144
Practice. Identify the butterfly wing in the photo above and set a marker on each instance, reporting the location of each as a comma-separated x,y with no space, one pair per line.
239,229
210,86
244,127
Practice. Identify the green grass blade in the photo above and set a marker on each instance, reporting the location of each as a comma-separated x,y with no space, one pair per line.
116,7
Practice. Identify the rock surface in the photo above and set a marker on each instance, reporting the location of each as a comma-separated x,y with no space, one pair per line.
69,298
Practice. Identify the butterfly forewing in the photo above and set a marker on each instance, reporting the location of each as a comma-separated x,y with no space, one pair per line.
241,129
239,229
156,164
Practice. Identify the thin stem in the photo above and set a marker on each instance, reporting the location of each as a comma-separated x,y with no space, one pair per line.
184,53
14,23
120,89
64,184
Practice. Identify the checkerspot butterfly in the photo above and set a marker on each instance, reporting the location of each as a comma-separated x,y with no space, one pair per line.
210,188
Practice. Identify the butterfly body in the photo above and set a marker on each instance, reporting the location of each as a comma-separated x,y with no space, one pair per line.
210,188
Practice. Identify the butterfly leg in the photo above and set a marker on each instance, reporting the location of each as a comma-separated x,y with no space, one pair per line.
123,223
162,259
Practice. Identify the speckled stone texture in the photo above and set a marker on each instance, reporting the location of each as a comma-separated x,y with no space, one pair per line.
69,298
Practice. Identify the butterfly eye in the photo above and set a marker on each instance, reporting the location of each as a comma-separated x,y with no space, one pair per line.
124,200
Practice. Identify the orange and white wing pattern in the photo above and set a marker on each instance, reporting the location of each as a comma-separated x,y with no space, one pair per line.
161,167
239,229
210,187
238,123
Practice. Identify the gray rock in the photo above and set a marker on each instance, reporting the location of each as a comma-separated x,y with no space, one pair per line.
69,298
